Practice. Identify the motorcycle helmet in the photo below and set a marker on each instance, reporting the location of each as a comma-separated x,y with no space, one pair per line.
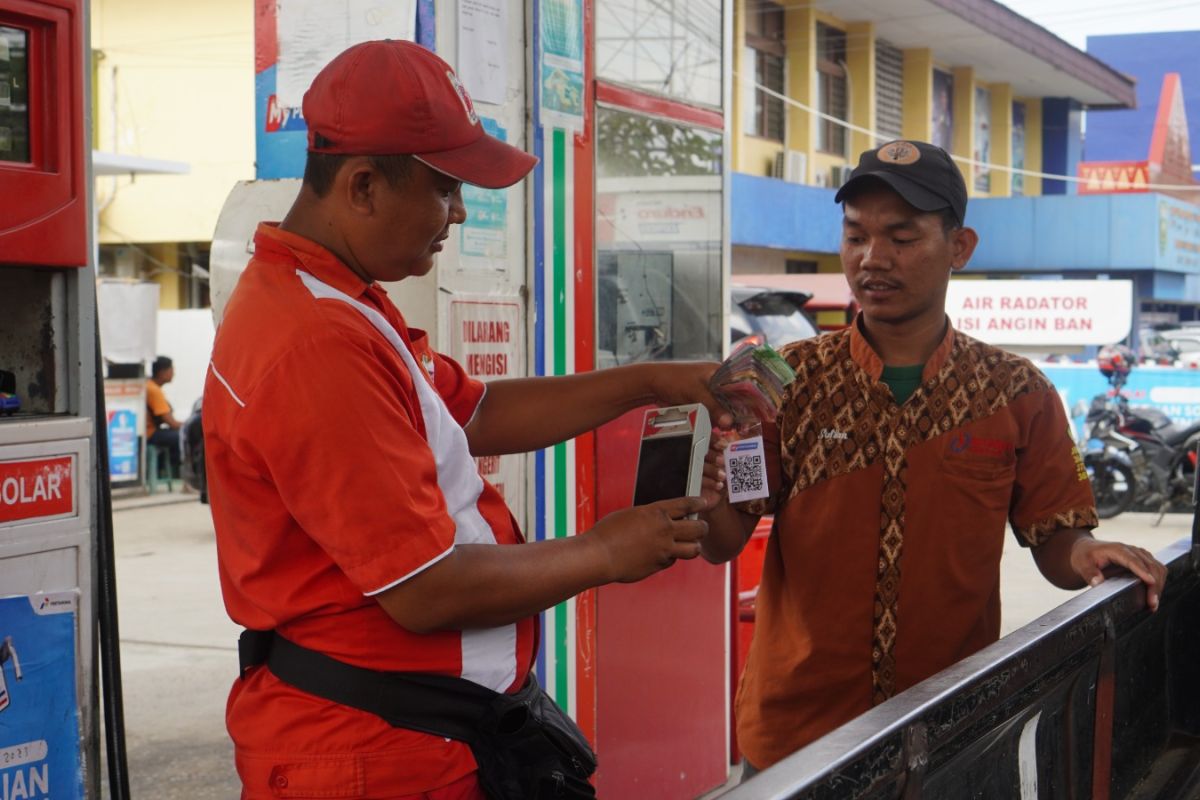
1115,359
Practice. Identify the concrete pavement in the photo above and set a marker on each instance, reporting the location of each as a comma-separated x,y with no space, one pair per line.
179,655
178,651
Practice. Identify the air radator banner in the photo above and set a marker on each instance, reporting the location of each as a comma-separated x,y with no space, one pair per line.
39,715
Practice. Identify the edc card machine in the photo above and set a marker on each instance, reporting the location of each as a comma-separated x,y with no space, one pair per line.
48,493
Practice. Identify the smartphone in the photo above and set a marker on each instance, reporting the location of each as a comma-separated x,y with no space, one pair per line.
671,454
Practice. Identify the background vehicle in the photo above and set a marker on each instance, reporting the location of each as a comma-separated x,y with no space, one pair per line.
776,315
191,443
1141,444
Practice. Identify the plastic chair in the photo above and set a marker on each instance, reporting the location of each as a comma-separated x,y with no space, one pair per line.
158,460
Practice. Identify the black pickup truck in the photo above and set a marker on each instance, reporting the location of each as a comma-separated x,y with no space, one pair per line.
1097,699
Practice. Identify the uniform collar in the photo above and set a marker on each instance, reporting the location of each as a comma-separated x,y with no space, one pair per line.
865,356
271,240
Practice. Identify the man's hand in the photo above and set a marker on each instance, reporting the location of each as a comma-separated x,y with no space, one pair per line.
1089,559
679,382
1072,559
712,486
642,540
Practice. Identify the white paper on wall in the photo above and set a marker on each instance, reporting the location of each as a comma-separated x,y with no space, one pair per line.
312,32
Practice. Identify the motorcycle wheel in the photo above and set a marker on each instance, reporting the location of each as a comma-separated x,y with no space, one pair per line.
1113,486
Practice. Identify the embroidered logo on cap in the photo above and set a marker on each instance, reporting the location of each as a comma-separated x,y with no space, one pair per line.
468,106
902,153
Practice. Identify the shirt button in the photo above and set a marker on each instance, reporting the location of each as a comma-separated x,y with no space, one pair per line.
281,781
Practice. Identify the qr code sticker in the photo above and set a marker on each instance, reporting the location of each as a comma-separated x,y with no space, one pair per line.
745,474
746,470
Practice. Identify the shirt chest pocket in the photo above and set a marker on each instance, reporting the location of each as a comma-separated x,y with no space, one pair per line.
973,482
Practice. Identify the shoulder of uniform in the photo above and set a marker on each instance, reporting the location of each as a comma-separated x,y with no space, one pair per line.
808,355
1012,374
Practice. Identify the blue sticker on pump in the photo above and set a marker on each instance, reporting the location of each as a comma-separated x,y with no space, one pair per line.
39,712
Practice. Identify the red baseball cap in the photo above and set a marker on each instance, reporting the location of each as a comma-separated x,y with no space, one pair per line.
394,97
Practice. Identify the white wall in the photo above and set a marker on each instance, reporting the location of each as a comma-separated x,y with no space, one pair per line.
187,338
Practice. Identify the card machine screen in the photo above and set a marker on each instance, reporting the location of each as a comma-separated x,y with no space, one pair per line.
662,472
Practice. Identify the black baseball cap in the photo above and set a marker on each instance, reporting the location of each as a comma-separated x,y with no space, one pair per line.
922,173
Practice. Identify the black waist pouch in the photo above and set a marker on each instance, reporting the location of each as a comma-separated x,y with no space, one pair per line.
526,747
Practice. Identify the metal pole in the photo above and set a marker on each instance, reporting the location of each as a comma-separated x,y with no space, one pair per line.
1196,503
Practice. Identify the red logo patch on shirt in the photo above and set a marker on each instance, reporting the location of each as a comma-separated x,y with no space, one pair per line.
966,443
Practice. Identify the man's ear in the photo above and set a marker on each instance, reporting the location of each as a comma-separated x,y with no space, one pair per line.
358,180
963,242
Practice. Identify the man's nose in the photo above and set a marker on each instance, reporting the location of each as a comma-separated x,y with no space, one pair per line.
876,256
458,209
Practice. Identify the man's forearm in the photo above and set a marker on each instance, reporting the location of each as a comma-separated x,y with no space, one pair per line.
1053,558
507,583
525,414
728,532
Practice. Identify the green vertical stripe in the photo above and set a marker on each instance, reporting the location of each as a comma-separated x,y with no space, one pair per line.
559,323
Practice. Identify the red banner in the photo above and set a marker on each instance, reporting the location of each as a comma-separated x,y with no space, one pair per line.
42,487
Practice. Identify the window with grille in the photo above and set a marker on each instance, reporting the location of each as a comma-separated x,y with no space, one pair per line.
831,88
889,91
766,54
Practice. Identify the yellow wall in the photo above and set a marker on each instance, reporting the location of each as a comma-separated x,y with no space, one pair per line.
742,92
174,81
1002,100
964,121
918,94
860,63
166,275
800,38
757,155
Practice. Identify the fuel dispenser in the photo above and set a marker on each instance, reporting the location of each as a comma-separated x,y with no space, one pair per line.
55,540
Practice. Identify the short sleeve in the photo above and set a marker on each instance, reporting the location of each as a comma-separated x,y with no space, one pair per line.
461,392
1052,491
335,426
156,400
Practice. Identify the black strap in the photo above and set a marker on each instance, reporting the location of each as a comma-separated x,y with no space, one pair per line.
440,705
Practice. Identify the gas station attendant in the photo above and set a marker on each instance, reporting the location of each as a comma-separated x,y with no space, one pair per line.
350,516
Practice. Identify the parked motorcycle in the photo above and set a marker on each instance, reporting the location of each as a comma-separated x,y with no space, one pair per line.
1143,460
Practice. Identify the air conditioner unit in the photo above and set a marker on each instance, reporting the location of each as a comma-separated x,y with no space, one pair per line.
795,166
779,165
790,165
839,174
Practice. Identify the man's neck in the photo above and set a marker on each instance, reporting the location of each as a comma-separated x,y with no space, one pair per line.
306,218
905,344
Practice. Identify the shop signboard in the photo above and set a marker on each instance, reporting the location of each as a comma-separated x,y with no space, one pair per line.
1042,313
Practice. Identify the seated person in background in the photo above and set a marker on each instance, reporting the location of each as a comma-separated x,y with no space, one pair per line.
162,429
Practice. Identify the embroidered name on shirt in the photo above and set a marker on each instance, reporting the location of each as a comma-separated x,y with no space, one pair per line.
829,433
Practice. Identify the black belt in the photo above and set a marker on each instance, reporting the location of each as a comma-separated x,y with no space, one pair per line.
437,704
524,745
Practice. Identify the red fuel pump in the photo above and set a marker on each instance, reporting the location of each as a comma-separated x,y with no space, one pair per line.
58,600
